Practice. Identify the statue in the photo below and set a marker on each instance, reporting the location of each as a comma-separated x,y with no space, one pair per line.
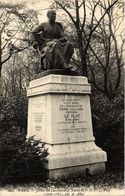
54,49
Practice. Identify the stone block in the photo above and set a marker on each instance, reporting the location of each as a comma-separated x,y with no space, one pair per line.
59,114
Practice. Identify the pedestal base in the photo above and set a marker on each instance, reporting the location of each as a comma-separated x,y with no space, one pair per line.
59,114
76,171
74,159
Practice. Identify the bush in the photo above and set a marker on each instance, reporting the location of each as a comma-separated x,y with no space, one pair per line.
13,112
20,158
108,124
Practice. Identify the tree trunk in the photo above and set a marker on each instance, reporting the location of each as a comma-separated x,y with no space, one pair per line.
79,34
0,65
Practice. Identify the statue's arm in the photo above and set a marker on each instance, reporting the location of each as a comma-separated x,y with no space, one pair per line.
38,29
61,29
62,35
35,35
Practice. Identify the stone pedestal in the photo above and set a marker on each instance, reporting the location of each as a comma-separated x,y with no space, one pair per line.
59,114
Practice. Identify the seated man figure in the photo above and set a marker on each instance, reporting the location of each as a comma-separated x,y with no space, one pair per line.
54,49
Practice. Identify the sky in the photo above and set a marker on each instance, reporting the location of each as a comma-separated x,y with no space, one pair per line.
37,4
41,5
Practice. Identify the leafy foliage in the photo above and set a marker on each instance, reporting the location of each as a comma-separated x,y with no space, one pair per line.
108,118
13,112
20,158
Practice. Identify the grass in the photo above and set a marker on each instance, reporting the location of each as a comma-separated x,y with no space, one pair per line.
100,182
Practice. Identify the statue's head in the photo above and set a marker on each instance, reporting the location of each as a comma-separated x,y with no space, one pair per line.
51,14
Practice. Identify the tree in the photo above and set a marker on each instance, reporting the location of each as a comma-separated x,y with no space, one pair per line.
93,58
13,40
18,73
16,22
106,53
80,23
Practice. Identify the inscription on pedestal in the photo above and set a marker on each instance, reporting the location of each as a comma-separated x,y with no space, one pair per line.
38,116
38,121
72,111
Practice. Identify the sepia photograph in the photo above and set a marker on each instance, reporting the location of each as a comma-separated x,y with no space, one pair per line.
62,97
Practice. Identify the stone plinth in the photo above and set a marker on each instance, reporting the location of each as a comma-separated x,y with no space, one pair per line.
59,114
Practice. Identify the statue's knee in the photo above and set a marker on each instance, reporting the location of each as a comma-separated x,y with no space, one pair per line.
56,46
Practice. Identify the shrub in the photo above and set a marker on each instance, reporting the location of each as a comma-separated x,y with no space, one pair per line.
13,112
20,158
108,124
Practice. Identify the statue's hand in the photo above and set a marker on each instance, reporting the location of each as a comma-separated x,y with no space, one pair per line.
63,39
35,44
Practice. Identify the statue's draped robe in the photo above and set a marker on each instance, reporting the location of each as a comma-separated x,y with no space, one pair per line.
54,49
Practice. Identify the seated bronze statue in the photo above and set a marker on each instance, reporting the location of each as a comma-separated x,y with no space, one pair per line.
54,49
